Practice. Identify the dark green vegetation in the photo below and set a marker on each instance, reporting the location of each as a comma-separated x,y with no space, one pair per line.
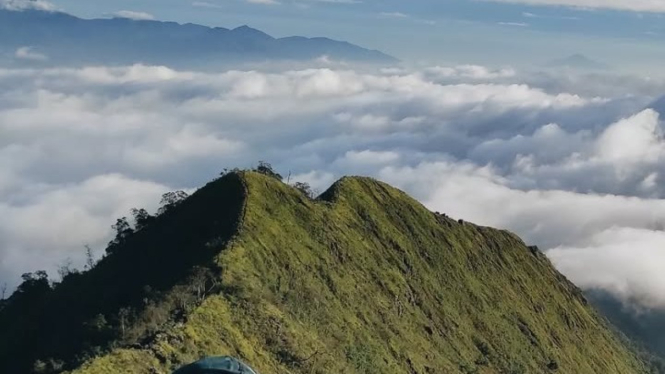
363,279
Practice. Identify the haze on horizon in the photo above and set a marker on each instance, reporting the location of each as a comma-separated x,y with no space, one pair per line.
489,32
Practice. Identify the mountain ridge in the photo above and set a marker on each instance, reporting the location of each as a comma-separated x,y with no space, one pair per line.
577,61
363,279
65,39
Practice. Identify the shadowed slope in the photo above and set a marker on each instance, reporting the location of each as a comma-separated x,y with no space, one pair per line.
366,280
91,312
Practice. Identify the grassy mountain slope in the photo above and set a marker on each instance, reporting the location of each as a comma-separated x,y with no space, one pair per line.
366,280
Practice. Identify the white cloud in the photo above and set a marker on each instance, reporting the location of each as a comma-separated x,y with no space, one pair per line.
473,72
29,53
559,167
337,1
27,4
263,2
624,261
394,15
657,6
405,16
516,24
534,15
69,217
205,4
637,139
136,16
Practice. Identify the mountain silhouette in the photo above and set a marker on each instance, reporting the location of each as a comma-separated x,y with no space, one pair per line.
67,40
577,61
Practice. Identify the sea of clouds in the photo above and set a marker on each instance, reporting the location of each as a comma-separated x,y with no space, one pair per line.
574,163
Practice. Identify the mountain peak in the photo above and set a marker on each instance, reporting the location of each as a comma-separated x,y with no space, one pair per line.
244,28
249,31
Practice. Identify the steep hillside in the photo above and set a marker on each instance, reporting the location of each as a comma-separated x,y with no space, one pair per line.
128,295
362,280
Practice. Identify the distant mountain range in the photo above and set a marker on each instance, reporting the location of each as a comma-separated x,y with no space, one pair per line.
577,61
55,38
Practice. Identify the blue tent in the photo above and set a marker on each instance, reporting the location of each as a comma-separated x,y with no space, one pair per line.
216,365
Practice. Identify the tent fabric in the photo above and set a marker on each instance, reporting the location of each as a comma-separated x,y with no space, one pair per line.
216,365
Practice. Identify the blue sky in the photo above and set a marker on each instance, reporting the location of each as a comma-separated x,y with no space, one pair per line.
453,31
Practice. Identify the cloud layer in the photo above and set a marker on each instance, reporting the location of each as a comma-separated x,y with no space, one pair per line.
577,172
656,6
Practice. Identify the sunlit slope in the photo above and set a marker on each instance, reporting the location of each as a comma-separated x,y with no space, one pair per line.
366,280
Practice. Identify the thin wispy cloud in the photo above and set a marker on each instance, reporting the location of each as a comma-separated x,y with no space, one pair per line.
133,15
29,53
514,24
205,4
394,15
337,1
263,2
656,6
534,15
404,16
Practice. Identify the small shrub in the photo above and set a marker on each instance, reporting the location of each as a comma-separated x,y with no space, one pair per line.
267,169
305,188
482,361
